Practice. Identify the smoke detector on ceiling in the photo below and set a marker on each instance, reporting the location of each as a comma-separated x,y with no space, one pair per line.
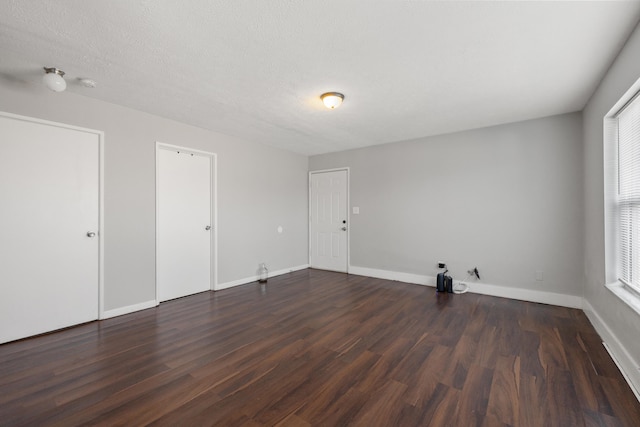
87,82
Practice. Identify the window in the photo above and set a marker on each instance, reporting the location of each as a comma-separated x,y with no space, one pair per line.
622,197
628,194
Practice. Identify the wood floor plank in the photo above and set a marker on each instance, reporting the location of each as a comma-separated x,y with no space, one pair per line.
320,348
328,397
584,375
424,380
505,384
384,404
597,419
623,409
533,402
445,411
562,400
474,397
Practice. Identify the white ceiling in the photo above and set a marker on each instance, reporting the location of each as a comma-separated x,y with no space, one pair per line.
255,69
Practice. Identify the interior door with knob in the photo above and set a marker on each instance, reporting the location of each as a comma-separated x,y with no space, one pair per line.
49,226
184,222
328,220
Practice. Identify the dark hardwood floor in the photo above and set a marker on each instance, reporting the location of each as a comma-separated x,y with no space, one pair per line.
325,349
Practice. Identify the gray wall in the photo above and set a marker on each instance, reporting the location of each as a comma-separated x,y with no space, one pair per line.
259,188
623,322
507,199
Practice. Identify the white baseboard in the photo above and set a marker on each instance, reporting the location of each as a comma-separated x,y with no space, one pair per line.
128,309
251,279
563,300
415,279
629,367
550,298
149,304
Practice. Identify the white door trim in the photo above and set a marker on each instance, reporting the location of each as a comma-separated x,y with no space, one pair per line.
348,170
101,231
213,280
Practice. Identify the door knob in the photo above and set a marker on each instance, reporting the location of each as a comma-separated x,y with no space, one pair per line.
208,227
344,229
91,234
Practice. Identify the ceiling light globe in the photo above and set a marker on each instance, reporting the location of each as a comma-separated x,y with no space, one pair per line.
53,80
332,100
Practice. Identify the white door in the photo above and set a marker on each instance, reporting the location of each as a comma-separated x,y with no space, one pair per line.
49,218
328,220
184,223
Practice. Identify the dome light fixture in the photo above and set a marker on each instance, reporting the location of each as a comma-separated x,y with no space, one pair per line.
332,100
53,79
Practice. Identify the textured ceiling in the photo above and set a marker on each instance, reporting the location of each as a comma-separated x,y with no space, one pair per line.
255,69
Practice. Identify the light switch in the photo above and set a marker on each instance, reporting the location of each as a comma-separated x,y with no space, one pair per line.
356,210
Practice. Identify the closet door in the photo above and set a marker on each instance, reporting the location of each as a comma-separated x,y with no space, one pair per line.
184,227
49,218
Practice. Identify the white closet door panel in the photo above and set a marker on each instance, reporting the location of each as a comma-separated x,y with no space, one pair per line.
184,214
49,193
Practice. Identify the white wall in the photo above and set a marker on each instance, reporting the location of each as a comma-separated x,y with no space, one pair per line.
507,199
618,323
259,188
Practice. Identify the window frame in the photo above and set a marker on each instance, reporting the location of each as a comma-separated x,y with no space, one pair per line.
627,292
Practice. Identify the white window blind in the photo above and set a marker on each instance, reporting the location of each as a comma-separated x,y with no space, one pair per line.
629,194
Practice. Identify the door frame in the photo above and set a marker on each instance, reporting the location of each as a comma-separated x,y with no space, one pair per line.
348,170
213,209
101,231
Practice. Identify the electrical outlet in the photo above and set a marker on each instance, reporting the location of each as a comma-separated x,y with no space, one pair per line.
539,276
441,264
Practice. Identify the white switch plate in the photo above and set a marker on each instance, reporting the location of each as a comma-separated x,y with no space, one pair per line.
356,210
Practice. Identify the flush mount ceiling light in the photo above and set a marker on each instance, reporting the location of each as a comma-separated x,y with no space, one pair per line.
53,79
332,100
